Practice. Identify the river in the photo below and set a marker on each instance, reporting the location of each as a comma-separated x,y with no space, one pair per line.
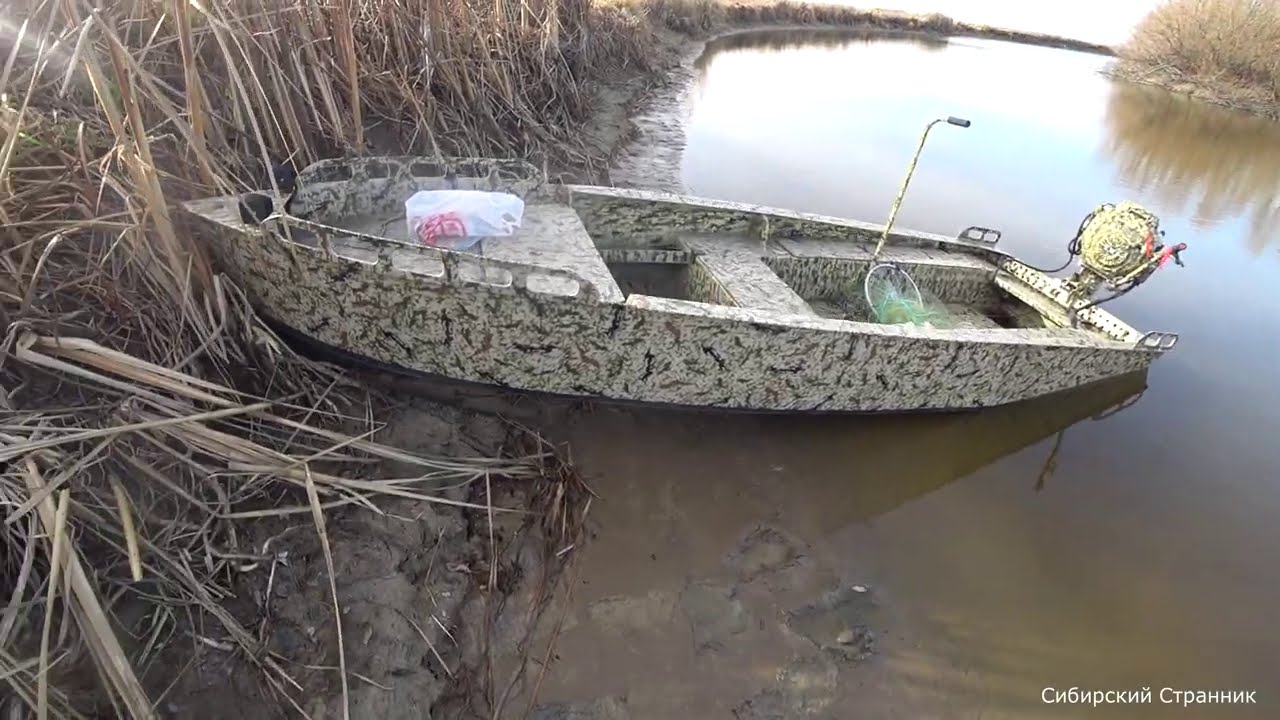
942,567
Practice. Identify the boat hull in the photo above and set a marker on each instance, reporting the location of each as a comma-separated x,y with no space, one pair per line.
444,388
644,349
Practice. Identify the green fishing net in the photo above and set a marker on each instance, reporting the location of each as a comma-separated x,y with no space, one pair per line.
894,299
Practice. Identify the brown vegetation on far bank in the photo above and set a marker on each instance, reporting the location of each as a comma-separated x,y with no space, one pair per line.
1220,51
700,17
157,436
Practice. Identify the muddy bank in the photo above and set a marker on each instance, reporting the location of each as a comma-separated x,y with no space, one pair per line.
427,591
743,617
1211,89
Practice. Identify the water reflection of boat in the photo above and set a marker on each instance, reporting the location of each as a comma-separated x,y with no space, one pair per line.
889,463
840,470
1223,164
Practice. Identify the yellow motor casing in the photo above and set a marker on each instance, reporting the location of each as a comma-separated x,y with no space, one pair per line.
1116,240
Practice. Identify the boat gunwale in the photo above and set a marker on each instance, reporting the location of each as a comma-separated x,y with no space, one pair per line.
519,271
897,236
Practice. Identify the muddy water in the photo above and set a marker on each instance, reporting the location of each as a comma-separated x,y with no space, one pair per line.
952,566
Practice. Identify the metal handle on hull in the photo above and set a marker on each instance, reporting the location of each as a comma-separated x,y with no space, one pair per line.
1159,341
974,233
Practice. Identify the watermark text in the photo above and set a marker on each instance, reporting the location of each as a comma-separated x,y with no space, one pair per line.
1167,696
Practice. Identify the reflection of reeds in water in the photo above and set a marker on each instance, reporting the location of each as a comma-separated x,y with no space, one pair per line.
1182,152
800,38
790,39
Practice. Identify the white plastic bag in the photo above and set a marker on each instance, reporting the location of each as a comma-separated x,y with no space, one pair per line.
457,219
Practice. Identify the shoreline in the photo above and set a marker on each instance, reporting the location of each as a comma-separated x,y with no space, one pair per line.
1193,87
1220,52
609,126
777,15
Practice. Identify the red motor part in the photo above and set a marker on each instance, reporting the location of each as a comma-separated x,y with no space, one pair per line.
1173,251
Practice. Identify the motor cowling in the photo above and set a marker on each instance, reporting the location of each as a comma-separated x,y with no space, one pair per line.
1118,246
1117,241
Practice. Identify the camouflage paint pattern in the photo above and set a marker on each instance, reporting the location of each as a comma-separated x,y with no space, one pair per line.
555,326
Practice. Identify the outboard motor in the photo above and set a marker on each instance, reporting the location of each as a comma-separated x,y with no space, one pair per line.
1119,249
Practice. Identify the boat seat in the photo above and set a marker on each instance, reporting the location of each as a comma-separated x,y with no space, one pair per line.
736,263
553,236
550,235
845,250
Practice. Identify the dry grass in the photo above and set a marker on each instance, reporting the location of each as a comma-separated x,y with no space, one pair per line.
148,418
1223,51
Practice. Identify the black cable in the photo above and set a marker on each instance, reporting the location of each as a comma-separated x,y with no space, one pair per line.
1050,272
1074,245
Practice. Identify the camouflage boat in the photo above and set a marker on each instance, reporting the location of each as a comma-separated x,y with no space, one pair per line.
653,297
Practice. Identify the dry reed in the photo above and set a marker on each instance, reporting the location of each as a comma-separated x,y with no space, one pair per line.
147,415
1222,51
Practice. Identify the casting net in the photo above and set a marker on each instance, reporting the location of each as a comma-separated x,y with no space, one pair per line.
894,299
